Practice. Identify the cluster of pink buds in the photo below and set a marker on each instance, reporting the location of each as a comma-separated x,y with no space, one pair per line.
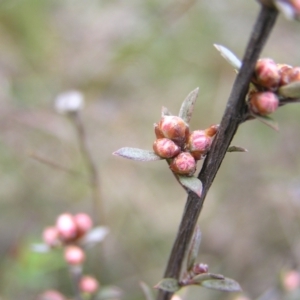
181,147
268,78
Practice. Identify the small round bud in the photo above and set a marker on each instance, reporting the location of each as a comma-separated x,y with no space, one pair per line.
183,164
291,280
212,130
293,74
51,236
199,143
74,255
284,74
83,223
173,128
166,148
88,284
200,268
267,73
263,103
66,227
51,295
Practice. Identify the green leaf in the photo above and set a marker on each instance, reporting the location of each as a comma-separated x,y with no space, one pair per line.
194,248
187,107
137,154
198,279
226,285
291,90
236,149
267,121
109,292
191,183
168,285
229,56
147,291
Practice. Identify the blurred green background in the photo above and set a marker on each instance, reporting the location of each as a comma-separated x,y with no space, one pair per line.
129,58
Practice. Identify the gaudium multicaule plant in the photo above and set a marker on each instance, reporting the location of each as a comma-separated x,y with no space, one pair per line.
177,144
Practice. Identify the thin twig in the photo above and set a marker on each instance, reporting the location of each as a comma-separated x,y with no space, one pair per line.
232,118
75,274
92,168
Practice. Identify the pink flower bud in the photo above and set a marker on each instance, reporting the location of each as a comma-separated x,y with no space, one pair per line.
173,128
200,269
267,73
212,130
51,236
184,164
83,223
263,103
296,6
293,74
74,255
66,227
291,280
199,143
88,284
51,295
166,148
158,132
284,74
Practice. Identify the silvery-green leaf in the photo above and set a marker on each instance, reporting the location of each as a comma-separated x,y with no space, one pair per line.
226,285
94,236
198,279
194,248
191,183
137,154
165,112
229,56
236,149
168,285
291,90
109,292
40,248
187,107
267,121
147,291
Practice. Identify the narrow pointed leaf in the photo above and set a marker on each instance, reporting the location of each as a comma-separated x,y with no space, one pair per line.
291,90
267,121
137,154
165,112
187,107
147,291
194,248
236,149
226,285
168,285
191,183
229,56
109,293
94,236
198,279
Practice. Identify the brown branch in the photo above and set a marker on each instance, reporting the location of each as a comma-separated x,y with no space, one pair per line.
233,116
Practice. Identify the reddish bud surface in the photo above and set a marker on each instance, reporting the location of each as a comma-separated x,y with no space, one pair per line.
263,103
293,74
267,73
51,236
51,295
284,73
158,132
199,143
166,148
296,5
183,164
291,281
74,255
83,223
66,227
88,284
200,268
212,130
173,128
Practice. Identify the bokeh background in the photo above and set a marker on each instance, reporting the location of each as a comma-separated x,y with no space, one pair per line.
130,58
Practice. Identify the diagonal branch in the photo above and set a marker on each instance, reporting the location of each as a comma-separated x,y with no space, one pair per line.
233,116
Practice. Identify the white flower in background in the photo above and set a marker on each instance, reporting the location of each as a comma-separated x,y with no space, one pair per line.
69,102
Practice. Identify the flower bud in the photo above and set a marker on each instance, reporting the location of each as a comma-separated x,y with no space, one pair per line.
263,103
296,6
284,73
212,130
166,148
83,223
88,284
183,164
74,255
291,281
51,295
292,74
198,143
173,128
51,236
66,227
267,73
200,269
